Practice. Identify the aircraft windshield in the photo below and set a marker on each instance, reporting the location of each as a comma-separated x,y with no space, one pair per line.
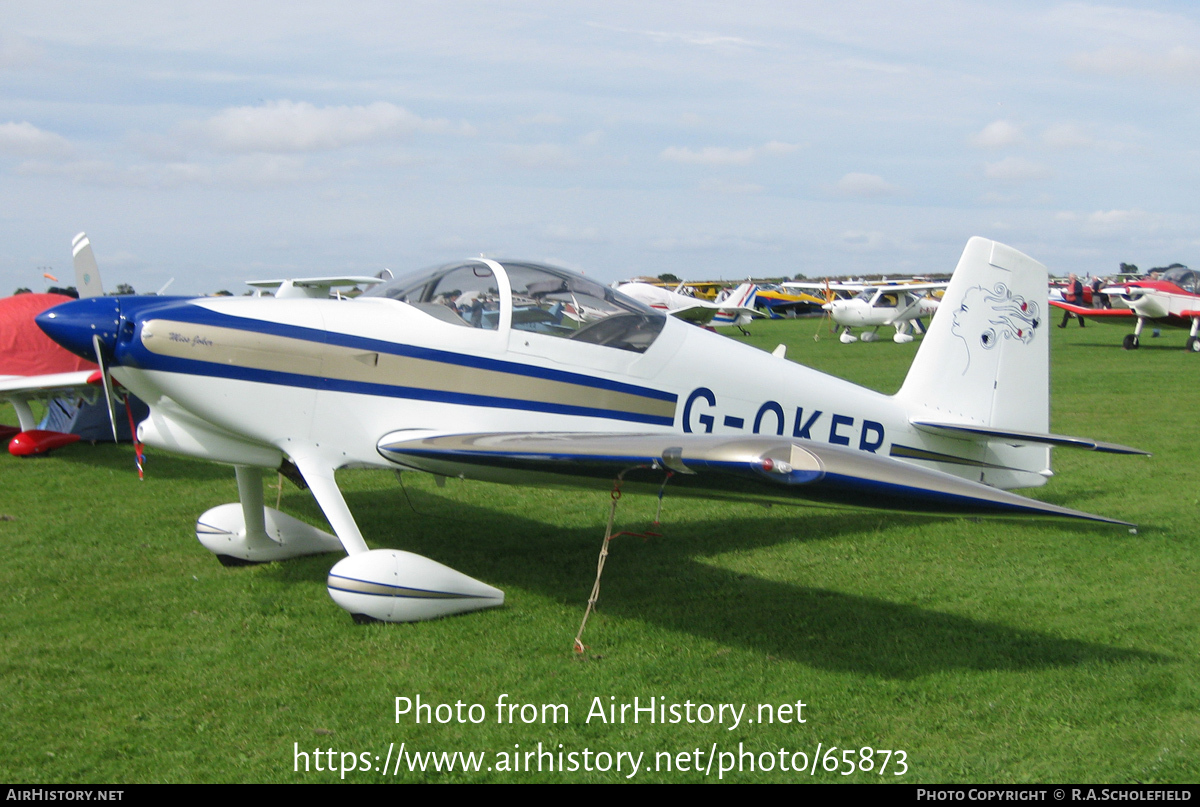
545,299
1182,277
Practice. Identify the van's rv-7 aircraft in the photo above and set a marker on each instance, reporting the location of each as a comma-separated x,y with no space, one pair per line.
403,378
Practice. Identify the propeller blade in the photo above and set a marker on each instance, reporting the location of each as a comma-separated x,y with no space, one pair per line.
108,390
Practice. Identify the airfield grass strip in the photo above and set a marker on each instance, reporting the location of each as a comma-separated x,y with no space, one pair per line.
989,651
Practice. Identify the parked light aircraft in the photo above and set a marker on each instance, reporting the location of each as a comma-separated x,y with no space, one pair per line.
778,301
735,309
1173,299
34,368
900,305
398,379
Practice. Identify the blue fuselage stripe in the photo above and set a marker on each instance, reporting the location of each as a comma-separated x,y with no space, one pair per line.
134,354
202,316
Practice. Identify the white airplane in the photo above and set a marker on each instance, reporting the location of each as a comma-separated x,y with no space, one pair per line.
398,379
901,305
309,287
735,309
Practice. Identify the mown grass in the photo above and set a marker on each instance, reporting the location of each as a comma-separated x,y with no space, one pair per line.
989,651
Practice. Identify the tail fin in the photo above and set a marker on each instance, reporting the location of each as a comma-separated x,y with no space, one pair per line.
87,274
741,297
985,359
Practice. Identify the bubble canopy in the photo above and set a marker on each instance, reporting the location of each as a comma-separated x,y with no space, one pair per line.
530,297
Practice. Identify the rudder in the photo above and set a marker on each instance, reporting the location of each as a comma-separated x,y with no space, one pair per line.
985,359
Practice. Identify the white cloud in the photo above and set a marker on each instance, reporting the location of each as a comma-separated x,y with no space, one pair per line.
1067,136
685,37
865,185
1180,63
710,155
1112,222
865,240
572,235
286,126
1114,218
1016,169
721,155
704,242
541,155
730,186
27,140
17,52
998,134
541,119
259,170
98,172
247,171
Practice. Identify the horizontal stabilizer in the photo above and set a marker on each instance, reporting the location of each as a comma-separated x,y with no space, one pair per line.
969,430
751,468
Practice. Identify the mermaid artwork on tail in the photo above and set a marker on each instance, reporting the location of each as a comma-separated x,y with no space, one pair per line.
1007,316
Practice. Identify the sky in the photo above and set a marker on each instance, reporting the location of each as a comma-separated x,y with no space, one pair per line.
218,142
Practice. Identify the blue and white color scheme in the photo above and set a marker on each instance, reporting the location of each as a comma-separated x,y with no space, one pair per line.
524,373
735,308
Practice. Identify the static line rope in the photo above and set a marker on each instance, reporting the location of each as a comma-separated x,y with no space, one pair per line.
662,489
139,452
580,647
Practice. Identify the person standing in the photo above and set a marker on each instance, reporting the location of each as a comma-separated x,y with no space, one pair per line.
1072,294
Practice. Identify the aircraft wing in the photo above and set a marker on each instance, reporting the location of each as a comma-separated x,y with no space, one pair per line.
700,314
753,468
35,386
316,282
21,389
789,285
1097,314
861,287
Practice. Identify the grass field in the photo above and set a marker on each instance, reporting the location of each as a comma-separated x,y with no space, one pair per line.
986,651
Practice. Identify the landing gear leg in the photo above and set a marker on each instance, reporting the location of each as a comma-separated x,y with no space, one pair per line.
247,532
1132,341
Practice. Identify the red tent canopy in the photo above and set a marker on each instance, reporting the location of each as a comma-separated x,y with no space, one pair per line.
24,349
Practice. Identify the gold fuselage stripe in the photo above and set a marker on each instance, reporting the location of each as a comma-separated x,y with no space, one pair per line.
285,354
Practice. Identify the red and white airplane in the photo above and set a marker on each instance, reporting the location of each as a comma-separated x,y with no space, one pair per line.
1173,299
33,367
